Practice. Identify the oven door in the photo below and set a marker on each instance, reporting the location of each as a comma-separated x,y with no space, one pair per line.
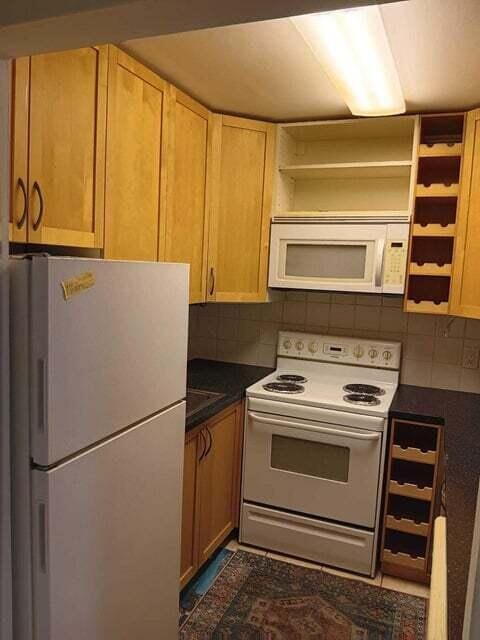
313,468
337,257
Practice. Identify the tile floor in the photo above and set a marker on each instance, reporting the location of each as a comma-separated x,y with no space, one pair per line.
387,582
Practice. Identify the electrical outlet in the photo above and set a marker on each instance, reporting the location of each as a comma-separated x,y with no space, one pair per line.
470,357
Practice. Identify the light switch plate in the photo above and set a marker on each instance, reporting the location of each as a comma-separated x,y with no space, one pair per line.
470,358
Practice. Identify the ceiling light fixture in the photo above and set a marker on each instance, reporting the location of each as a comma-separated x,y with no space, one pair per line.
353,49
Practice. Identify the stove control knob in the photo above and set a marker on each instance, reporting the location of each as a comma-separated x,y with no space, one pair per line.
313,347
387,355
287,343
299,345
358,351
373,353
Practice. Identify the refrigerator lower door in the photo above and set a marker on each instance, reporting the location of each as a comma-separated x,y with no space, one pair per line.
106,537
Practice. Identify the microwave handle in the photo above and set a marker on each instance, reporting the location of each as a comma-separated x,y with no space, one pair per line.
307,427
379,262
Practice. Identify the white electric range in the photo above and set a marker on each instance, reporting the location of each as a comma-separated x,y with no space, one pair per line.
314,451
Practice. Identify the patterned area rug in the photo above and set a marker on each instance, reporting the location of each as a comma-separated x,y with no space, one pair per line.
257,598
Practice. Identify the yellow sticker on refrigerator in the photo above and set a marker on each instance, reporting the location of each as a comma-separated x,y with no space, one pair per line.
73,286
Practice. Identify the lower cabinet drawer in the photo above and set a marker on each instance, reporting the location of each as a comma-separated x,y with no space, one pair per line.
323,542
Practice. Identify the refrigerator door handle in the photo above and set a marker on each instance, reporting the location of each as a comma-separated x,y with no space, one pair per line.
41,394
42,537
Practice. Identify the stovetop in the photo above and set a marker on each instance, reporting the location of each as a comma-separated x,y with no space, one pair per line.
325,388
334,372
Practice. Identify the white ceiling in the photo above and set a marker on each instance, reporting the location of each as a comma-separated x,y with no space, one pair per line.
266,70
35,26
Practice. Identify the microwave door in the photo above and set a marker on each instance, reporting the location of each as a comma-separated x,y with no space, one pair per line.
327,257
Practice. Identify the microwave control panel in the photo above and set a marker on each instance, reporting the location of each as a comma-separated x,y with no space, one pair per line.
395,263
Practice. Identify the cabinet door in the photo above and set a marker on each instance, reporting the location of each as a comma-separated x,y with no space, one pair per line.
465,295
219,480
134,189
67,147
19,175
186,226
242,192
194,447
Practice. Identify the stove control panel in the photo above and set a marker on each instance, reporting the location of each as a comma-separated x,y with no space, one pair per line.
368,353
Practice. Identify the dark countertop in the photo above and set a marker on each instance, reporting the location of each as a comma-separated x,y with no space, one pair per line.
460,414
223,377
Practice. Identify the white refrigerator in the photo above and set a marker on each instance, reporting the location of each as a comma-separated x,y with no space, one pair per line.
99,352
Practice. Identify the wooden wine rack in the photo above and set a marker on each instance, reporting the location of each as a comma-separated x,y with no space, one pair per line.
412,493
435,213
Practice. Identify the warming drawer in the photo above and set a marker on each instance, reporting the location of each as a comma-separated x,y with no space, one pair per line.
308,538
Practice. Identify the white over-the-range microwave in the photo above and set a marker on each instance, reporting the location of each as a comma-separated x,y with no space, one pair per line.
352,253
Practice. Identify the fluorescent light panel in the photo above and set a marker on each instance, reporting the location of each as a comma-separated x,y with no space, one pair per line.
353,49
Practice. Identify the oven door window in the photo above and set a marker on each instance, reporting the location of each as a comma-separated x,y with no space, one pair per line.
327,261
317,459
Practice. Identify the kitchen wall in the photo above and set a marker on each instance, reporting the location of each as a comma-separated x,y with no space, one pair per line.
433,347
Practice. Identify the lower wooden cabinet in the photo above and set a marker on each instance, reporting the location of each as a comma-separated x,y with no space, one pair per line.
211,487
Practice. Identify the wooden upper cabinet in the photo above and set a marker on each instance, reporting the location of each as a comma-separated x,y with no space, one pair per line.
187,216
66,149
465,295
18,226
135,179
242,192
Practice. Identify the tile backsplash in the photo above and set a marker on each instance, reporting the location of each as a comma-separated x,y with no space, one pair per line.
434,347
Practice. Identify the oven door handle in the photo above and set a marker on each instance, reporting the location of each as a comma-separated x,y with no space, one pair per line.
307,427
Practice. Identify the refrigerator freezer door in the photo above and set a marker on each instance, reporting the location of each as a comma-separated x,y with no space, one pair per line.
106,537
109,348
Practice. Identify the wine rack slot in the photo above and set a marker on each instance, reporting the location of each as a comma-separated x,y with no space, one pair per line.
435,216
439,170
408,543
436,250
435,211
406,471
417,511
442,129
434,289
412,434
412,499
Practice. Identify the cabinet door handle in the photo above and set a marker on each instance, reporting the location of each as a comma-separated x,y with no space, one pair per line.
210,443
212,281
23,217
36,187
202,455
